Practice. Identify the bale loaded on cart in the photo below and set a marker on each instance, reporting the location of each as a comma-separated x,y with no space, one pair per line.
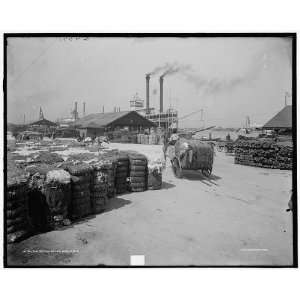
190,154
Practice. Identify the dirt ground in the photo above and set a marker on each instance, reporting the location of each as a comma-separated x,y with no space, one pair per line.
237,217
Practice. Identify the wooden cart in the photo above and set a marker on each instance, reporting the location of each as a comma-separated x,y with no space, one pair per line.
200,157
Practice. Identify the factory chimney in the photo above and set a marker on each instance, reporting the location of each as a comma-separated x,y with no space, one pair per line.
83,109
161,96
147,93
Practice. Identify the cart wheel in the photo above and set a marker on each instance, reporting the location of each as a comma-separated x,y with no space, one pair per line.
206,172
176,168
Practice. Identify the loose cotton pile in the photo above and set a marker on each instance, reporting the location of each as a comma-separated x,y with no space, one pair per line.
155,169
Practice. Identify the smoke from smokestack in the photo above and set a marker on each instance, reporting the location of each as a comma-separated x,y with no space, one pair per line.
215,85
166,70
212,85
157,70
175,68
169,69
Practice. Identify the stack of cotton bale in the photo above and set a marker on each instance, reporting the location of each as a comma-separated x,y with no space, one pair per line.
266,154
153,139
17,221
139,138
81,204
99,186
145,139
42,197
122,169
160,140
57,191
138,172
229,147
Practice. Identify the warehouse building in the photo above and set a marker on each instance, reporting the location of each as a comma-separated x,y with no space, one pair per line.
44,126
101,123
282,121
44,123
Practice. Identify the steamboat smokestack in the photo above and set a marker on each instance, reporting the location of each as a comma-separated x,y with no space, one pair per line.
147,94
84,109
75,111
161,96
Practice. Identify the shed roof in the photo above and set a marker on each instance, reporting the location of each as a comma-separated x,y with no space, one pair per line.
101,120
29,132
44,122
281,120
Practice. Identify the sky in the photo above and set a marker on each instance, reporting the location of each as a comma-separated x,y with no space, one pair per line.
229,78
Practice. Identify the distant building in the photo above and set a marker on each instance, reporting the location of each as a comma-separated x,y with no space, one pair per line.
101,123
136,103
166,120
281,121
44,122
44,126
66,122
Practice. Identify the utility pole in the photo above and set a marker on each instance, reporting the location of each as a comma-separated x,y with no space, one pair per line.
202,117
159,120
285,99
247,125
83,113
287,94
